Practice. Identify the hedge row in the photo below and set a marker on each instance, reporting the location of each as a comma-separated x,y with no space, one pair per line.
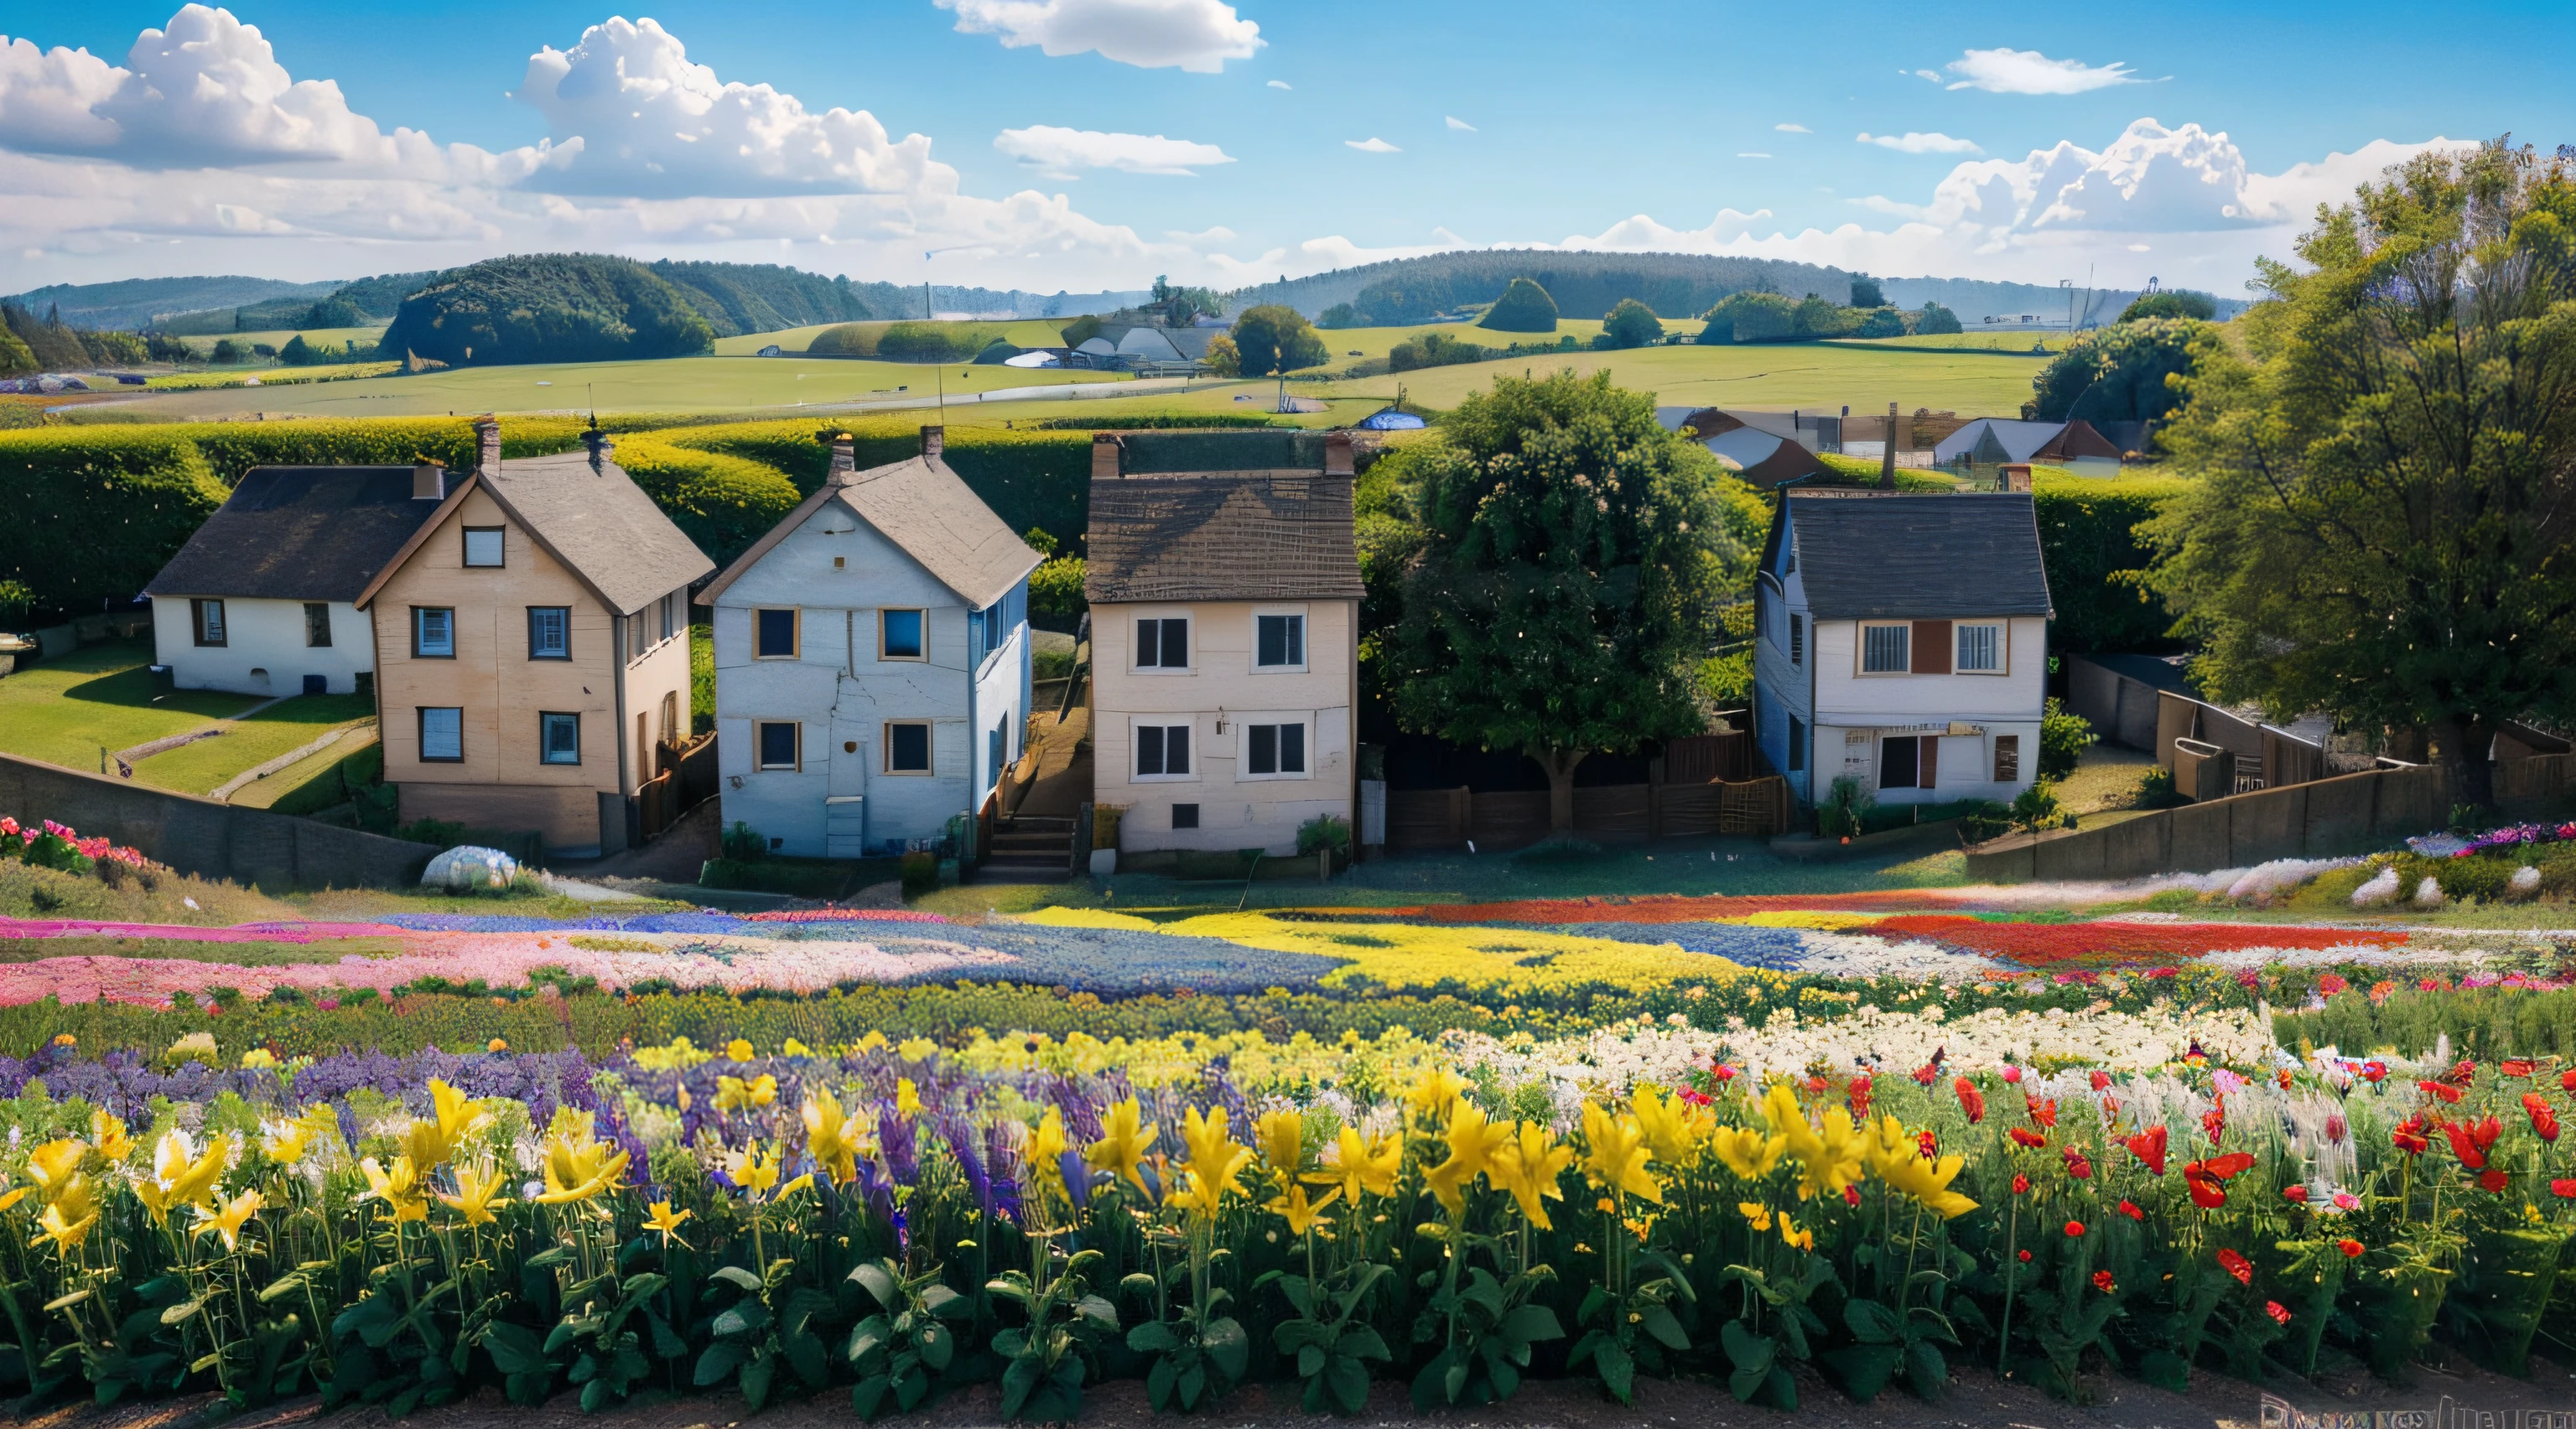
2085,527
1029,478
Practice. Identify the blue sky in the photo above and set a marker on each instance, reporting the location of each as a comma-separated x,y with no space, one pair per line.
1223,142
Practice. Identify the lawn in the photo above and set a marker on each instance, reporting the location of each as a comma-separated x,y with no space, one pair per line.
287,725
1024,332
1780,376
313,336
63,711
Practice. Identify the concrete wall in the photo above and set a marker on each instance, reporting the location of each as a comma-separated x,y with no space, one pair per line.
208,839
263,651
2325,818
2120,709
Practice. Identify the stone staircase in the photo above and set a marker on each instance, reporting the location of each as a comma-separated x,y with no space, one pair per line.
1028,850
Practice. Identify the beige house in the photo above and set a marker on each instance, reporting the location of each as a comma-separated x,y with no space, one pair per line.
1224,615
532,647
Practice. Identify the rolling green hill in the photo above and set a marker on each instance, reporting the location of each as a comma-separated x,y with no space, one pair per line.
548,307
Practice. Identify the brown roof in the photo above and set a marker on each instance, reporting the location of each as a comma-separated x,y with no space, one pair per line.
2079,439
298,533
1222,536
926,509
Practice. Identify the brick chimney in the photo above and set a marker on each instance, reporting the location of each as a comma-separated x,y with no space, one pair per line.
845,462
1337,455
934,440
487,446
428,480
1104,455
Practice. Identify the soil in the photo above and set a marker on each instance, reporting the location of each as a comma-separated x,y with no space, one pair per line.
1976,1400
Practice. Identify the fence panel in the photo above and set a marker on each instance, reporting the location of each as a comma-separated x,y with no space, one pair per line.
1617,811
1423,819
1705,758
1515,819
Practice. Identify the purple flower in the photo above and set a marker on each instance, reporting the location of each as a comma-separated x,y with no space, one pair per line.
961,1144
903,1156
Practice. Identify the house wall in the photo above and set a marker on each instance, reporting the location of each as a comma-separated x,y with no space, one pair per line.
1237,810
1782,687
264,636
1854,711
501,782
842,693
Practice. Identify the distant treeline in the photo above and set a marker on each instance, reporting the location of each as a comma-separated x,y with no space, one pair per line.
32,344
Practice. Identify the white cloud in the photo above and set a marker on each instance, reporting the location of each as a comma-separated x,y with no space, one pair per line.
1281,84
1749,155
2030,72
1372,145
1457,123
1930,74
1195,35
1793,129
1060,151
1914,143
1218,234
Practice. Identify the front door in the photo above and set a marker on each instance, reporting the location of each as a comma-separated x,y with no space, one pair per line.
845,803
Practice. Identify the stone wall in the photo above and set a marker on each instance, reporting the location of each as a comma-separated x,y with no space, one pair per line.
202,837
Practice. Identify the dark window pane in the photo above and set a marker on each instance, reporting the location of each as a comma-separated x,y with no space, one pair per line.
1176,644
902,635
1896,762
1149,749
778,746
1296,640
317,624
777,633
1149,634
1265,749
562,738
1274,641
1176,749
1185,816
1292,749
908,748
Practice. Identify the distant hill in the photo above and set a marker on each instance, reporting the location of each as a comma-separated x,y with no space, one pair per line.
548,307
145,302
1407,291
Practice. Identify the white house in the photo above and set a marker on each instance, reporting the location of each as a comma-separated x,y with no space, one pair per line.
1902,640
872,660
1224,586
261,600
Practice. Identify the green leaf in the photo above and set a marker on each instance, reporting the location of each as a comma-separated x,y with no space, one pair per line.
1154,1337
1349,1382
739,1278
181,1311
1872,1322
1864,1368
719,1362
1925,1367
1665,1327
1530,1323
805,1355
755,1381
1227,1348
513,1349
881,1284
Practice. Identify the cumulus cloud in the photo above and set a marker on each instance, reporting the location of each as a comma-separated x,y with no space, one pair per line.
1372,145
1060,151
1281,84
1195,35
2030,72
1793,129
1457,123
1913,143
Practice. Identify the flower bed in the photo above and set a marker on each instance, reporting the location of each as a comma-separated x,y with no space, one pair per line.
2123,943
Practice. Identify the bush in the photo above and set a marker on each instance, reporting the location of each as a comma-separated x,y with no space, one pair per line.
1523,307
1055,589
2174,303
2063,738
1881,322
2036,808
227,352
1936,319
2086,536
1434,349
2117,373
920,874
847,340
1269,340
1845,809
1325,831
742,843
1988,820
723,503
1632,324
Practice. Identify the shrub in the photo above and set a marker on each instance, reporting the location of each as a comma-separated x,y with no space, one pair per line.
1523,307
1936,319
742,843
2036,808
723,503
1988,820
920,874
1845,808
2063,738
2117,373
547,307
847,340
1434,349
1055,589
1325,831
1632,324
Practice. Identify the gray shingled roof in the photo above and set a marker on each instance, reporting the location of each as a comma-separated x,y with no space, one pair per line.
1918,557
1221,536
598,521
926,509
298,533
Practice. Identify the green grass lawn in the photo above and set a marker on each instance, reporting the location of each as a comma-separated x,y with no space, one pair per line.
287,725
264,793
1021,332
313,337
63,710
2012,344
1778,376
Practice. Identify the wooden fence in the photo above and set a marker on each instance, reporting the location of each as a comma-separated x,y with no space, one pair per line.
1451,818
688,779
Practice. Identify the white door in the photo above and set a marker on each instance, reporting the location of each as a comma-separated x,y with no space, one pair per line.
845,805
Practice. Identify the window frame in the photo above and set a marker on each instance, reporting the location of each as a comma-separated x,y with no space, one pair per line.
1904,655
197,611
421,749
921,634
929,748
317,620
419,645
1177,825
1163,628
537,653
465,553
2007,759
1248,755
1162,727
760,763
546,724
1293,642
795,631
2003,646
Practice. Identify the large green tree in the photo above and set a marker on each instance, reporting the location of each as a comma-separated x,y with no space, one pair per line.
1632,324
2116,374
1272,339
1564,590
1523,307
2385,528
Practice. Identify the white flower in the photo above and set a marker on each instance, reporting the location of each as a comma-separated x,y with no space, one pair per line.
2428,894
2525,881
2379,892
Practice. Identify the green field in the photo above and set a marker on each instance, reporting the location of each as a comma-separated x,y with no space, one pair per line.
64,710
1025,332
1778,376
288,725
315,337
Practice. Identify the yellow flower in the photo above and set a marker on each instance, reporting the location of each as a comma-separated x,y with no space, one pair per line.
1282,1135
578,1166
1123,1141
1438,1090
1675,1130
258,1058
1747,1152
1303,1215
1828,1160
1528,1165
1616,1160
1755,1214
835,1141
738,1050
874,1041
736,1094
1795,1238
179,1175
12,1196
107,1133
795,1048
56,1162
1886,1142
667,1221
757,1175
916,1049
431,1141
1471,1140
1045,1152
477,1187
229,1221
496,1045
398,1187
68,1215
907,1098
1216,1160
284,1142
1927,1181
1358,1166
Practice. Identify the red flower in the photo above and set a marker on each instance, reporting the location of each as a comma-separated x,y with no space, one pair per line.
1927,1074
2076,1164
2024,1136
2409,1136
2021,1184
1851,1195
1924,1139
2043,1110
2463,1074
2295,1193
2101,1081
2566,1189
1723,1073
2567,1082
2273,1309
2444,1090
2214,1121
2331,984
1972,1101
2025,1257
2102,1281
2012,1074
2237,1266
2493,1180
1859,1098
2205,1178
2374,1070
2518,1066
2130,1209
2149,1147
2075,1230
2470,1142
2110,1108
2349,1247
2543,1120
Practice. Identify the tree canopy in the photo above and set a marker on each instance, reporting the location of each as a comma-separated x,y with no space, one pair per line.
1936,319
1632,324
2173,303
547,307
1269,340
1523,307
1564,588
2117,374
1865,292
2385,525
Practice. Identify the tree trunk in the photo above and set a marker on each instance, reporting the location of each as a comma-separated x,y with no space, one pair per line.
1559,764
2467,766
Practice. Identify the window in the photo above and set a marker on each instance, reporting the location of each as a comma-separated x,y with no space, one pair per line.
907,746
433,632
1797,745
1280,641
559,738
208,616
1931,647
1797,639
2007,759
1884,649
670,620
1981,649
773,634
1185,816
482,545
900,635
1275,749
1162,644
1909,761
776,744
317,625
549,632
442,735
1162,750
